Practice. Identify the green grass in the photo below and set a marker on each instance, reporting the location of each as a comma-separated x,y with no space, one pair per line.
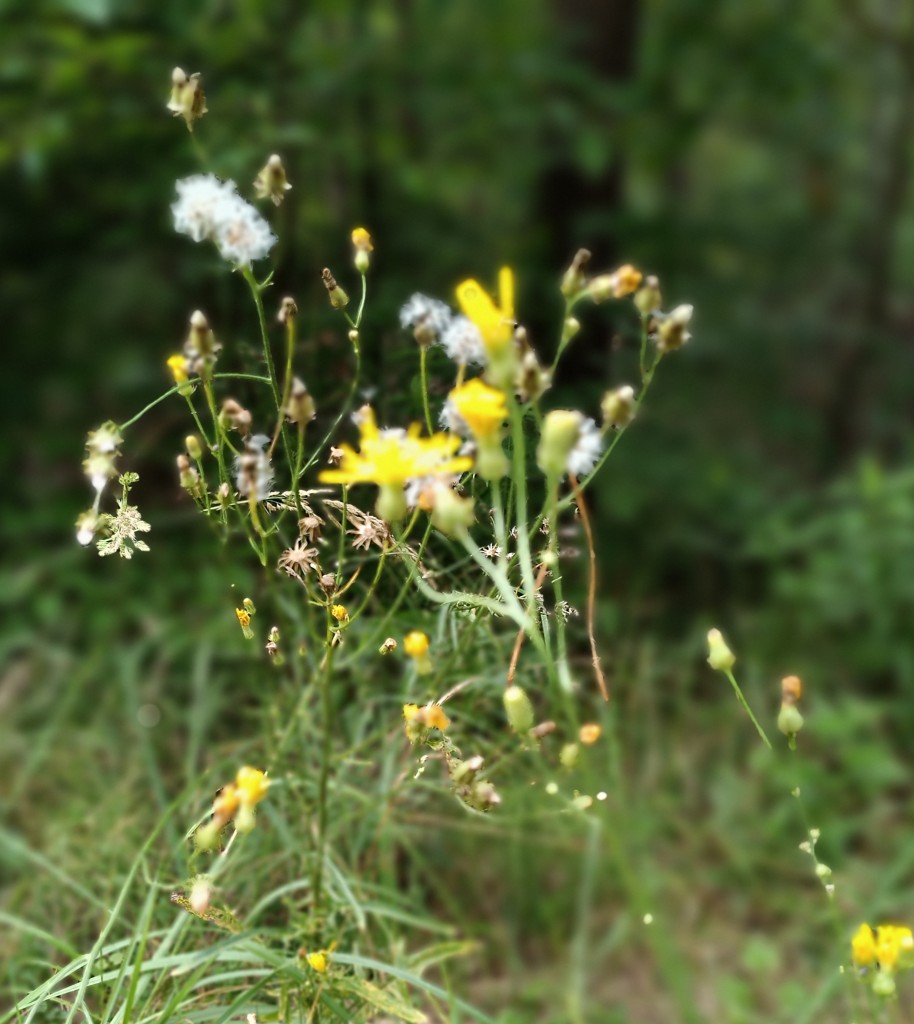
532,913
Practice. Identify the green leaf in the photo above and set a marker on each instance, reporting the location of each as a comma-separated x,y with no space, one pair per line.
381,998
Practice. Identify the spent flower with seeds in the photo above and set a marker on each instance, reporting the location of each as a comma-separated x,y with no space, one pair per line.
427,318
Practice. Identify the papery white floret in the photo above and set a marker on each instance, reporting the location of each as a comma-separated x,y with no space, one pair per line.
583,457
463,342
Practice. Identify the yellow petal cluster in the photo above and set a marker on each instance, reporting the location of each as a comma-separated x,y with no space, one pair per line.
393,457
495,322
888,945
482,407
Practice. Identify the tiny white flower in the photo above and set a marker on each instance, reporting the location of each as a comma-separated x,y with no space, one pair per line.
463,342
583,456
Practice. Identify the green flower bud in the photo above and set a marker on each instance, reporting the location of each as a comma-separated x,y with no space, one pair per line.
569,755
790,721
720,657
519,710
561,430
194,448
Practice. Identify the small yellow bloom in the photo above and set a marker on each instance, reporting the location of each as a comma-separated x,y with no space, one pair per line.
482,407
628,279
361,239
416,644
178,366
338,611
252,785
391,457
496,323
317,962
435,718
590,733
244,620
226,804
431,716
320,960
863,946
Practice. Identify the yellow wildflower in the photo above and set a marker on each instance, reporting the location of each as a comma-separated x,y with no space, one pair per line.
339,612
589,733
320,959
893,944
244,620
361,239
393,457
496,323
226,804
416,644
482,407
252,785
178,366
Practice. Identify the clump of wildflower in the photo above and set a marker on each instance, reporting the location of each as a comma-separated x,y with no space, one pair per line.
122,528
210,209
237,800
495,324
271,182
390,458
253,473
187,98
416,645
361,241
569,443
427,318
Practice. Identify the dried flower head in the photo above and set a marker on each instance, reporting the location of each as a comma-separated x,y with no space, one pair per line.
299,560
253,473
121,528
271,182
187,98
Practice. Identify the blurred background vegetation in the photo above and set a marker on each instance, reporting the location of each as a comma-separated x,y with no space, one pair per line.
755,154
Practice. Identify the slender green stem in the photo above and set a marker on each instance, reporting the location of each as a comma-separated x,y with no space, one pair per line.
564,673
326,749
519,478
739,696
423,376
